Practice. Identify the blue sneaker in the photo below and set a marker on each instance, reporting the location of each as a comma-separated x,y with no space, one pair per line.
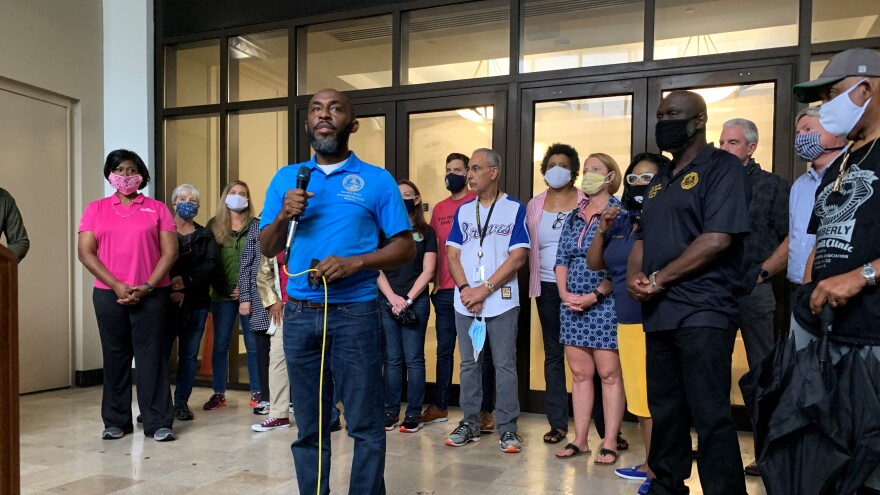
631,473
645,488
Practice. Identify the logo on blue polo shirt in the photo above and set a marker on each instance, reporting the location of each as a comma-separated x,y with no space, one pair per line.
353,183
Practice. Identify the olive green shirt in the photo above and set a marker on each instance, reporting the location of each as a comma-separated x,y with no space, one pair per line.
12,226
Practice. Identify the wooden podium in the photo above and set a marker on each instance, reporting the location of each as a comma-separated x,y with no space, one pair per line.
9,442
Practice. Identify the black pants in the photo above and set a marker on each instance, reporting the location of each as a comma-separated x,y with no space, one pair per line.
264,345
556,397
139,331
689,384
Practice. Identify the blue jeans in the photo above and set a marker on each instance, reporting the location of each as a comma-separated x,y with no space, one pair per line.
187,326
224,313
405,343
354,365
444,312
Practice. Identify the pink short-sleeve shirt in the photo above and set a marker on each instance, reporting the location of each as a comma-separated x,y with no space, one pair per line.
128,236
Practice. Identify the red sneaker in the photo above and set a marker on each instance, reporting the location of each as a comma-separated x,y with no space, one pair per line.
215,402
255,399
271,424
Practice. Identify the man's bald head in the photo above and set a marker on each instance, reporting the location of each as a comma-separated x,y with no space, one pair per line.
692,103
332,95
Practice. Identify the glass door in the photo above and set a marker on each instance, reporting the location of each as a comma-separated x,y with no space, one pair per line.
373,142
428,131
608,118
762,95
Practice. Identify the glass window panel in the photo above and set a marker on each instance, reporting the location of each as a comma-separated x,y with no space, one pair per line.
257,149
456,42
755,102
835,20
433,136
600,124
685,28
561,34
258,66
368,142
192,156
817,65
192,74
346,55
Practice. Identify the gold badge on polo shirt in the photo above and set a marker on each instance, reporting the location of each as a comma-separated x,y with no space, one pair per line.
506,293
654,190
690,180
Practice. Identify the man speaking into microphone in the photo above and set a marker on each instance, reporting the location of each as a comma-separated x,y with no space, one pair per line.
339,215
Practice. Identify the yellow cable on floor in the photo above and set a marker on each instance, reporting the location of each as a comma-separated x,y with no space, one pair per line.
321,378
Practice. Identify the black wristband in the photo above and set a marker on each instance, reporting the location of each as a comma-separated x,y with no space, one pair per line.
149,287
599,296
462,286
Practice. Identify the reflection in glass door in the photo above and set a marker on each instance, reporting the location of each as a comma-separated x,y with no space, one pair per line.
590,123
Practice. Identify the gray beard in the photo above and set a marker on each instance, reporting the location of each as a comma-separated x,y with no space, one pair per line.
330,146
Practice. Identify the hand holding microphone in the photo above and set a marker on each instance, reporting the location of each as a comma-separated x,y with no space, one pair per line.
295,202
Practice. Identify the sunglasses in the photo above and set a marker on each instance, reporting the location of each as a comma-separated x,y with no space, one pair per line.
633,179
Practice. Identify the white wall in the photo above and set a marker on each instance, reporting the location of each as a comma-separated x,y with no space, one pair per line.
56,45
128,80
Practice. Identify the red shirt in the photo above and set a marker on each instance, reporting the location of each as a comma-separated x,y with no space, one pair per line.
128,236
441,220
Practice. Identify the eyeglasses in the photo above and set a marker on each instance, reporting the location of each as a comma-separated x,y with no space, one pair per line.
560,217
633,179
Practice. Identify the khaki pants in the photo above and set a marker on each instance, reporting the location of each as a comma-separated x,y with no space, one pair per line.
279,383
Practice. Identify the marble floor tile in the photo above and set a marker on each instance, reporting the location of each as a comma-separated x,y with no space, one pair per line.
218,453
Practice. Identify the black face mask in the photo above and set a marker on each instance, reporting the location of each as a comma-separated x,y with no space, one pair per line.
634,197
455,182
672,135
410,205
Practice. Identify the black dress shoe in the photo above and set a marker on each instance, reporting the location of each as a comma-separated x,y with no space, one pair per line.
753,469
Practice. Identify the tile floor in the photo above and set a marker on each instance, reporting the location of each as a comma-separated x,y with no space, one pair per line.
62,453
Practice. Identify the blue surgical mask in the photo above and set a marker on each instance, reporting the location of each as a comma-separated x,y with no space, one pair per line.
477,332
186,210
840,115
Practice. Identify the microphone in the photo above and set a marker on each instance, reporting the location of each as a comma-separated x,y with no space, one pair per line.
302,182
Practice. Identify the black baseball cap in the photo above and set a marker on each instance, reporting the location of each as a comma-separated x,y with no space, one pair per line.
852,62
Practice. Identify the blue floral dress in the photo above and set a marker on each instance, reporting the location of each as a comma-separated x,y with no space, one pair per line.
597,326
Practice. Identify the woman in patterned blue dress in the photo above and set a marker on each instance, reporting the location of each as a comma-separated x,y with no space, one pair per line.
588,318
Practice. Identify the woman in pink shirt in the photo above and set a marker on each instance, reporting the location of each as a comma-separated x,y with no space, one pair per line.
129,243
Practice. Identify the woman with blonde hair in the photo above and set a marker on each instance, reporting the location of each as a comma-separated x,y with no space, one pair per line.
230,227
588,320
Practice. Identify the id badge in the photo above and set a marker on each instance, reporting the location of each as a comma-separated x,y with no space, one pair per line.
479,273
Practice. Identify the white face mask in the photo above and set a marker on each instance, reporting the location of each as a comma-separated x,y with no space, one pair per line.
557,177
236,202
840,115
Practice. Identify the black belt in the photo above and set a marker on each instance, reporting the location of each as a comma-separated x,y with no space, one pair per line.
308,304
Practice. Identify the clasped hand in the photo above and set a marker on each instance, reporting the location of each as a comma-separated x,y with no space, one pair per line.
578,302
473,297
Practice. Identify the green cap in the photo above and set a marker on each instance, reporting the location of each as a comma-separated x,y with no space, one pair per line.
852,62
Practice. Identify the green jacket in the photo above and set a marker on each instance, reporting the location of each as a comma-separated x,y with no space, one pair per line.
226,273
12,226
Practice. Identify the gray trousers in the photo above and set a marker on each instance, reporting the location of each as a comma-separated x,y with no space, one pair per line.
501,334
756,322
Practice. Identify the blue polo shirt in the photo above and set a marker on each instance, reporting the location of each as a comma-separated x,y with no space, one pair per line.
351,205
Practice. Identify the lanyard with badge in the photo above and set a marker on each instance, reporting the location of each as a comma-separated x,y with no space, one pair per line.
480,270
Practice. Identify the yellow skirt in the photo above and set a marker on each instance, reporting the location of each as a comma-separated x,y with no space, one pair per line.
631,345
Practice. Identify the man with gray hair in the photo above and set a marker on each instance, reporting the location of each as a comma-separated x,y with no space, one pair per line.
766,248
486,247
819,148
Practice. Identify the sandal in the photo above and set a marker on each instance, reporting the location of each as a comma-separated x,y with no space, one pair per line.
554,436
603,451
575,451
622,444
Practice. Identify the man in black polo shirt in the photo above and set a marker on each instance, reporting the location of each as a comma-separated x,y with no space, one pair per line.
684,266
842,269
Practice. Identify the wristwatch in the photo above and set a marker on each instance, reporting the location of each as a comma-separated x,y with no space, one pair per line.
764,274
462,286
490,286
870,274
599,296
149,288
652,278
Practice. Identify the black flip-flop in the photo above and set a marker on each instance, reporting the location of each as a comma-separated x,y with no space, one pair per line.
603,451
575,451
554,436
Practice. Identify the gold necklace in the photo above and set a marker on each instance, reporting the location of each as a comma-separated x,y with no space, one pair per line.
841,176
